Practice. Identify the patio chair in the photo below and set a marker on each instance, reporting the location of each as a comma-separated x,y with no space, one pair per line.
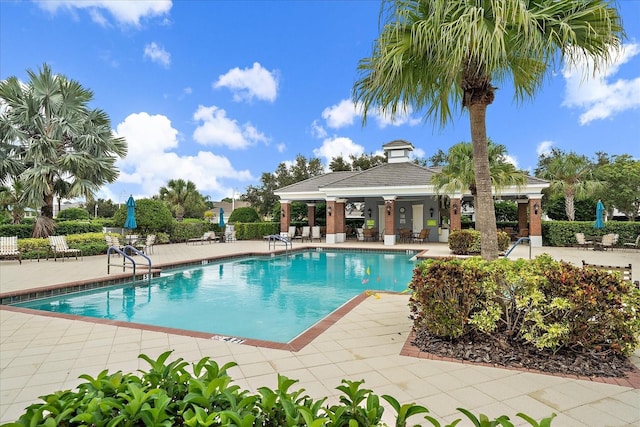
9,248
230,233
209,236
635,245
360,234
113,241
423,236
147,247
582,241
315,233
58,245
608,241
306,234
292,232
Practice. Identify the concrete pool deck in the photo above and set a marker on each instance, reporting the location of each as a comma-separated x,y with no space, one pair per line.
40,354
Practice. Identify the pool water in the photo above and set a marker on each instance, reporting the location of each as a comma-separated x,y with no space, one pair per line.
267,298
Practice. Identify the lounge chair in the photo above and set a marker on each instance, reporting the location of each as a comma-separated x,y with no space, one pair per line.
423,236
9,248
635,245
292,232
316,234
209,236
360,234
608,241
58,245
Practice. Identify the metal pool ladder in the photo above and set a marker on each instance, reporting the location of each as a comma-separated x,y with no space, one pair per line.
275,238
126,257
520,240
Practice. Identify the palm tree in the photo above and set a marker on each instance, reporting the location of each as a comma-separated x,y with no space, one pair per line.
183,198
436,53
11,196
571,175
458,175
58,146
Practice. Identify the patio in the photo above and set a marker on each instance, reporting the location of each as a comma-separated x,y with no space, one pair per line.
42,354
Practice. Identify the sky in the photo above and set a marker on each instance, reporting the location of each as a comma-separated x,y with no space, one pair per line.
220,92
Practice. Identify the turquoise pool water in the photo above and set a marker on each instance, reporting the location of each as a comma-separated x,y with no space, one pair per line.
267,298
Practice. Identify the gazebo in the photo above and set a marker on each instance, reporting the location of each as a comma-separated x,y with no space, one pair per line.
399,194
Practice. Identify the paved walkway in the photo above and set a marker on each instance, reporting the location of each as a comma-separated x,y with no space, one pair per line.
40,354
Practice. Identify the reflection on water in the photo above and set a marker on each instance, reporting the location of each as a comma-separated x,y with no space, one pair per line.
270,298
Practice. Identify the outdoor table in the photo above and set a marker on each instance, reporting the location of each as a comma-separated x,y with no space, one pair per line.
597,242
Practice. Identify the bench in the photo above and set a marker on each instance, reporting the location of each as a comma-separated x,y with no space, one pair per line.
625,271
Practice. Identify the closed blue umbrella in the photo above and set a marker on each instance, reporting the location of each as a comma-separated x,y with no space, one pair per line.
130,223
221,223
599,224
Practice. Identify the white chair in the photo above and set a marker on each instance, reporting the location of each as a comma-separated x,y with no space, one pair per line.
9,248
635,245
292,232
230,233
582,241
360,234
58,245
315,233
306,233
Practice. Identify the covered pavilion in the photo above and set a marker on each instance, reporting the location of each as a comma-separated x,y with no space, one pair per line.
399,195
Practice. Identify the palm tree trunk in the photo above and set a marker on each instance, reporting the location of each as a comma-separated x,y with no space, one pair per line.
485,213
569,206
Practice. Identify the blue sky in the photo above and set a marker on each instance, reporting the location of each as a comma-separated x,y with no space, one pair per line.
218,92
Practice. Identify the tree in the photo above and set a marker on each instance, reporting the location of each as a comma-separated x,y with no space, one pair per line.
183,199
244,214
622,176
106,208
263,199
570,174
152,216
457,175
438,53
12,199
56,144
338,164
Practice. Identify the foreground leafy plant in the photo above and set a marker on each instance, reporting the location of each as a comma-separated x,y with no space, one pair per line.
170,394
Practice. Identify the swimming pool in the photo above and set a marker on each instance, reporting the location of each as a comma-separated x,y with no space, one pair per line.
271,298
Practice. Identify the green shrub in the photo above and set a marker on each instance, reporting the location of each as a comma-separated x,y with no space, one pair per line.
176,394
244,214
256,230
88,243
152,217
467,241
563,233
65,228
23,231
72,214
546,303
445,292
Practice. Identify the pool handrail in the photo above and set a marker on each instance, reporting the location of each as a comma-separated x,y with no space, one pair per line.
520,240
127,257
275,238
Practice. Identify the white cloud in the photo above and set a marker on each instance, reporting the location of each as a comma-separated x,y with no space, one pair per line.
157,54
511,159
338,146
152,161
345,112
544,148
281,147
249,83
218,129
340,115
600,96
317,130
125,12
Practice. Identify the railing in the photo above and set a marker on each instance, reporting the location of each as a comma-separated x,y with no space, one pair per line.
520,240
275,238
126,257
